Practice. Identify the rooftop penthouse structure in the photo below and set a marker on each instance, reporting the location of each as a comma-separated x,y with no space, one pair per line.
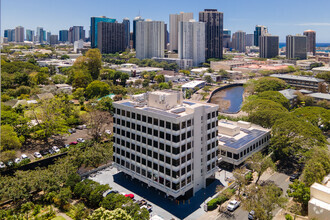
166,142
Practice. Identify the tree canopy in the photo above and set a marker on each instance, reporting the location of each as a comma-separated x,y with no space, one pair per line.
97,89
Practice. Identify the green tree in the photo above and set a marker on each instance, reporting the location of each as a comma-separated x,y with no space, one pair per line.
123,78
97,89
145,83
94,62
300,192
318,116
102,214
266,84
80,92
260,164
239,175
164,85
81,79
274,96
160,78
293,138
208,79
9,139
262,104
62,198
64,57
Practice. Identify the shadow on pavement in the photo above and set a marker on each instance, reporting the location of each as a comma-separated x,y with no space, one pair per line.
181,210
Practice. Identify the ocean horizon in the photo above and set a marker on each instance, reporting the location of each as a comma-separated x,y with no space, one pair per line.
317,45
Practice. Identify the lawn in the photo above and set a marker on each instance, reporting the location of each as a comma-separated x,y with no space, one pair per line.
58,218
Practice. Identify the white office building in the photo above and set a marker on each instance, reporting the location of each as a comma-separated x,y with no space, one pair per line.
166,142
150,39
174,27
240,140
191,43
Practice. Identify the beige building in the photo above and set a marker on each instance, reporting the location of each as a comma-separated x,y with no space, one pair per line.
228,65
319,204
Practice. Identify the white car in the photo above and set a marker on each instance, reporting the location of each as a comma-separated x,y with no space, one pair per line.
107,132
23,156
37,155
80,140
56,149
2,165
234,204
18,160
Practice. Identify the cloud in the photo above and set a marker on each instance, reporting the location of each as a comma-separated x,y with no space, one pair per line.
314,24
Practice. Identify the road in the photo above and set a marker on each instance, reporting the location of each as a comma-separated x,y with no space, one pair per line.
280,179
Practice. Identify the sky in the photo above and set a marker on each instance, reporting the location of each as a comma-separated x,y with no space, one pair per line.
282,17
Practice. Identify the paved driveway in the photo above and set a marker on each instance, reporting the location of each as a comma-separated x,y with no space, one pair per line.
167,209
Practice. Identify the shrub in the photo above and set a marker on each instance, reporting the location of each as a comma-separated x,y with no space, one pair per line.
212,204
288,217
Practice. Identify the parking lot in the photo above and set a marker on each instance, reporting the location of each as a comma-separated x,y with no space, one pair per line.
167,209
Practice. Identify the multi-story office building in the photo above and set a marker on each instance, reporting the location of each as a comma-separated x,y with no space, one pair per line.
93,29
135,21
296,47
214,32
302,82
64,36
311,41
240,140
111,37
40,35
166,37
174,28
191,43
259,31
166,142
127,32
226,38
269,46
149,39
249,40
29,35
48,36
238,42
53,39
76,33
19,34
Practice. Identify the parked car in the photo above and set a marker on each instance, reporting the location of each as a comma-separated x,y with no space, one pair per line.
51,151
18,160
67,145
107,132
251,215
73,143
2,165
294,176
56,149
37,155
234,204
111,191
72,130
24,157
44,152
80,140
81,127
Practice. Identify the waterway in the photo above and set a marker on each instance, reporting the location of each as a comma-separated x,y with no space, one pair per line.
229,100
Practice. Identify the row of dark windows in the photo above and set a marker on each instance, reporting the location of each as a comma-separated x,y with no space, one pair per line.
153,132
152,155
154,144
150,175
247,150
210,166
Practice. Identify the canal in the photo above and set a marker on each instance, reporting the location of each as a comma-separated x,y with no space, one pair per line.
229,99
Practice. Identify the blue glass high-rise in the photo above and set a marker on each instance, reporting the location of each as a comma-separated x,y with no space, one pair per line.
94,22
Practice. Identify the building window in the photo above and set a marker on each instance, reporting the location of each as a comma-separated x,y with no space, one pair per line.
144,118
168,125
149,131
150,120
175,162
144,129
161,134
176,127
161,157
155,144
156,121
168,148
189,123
138,127
188,144
161,146
236,156
155,155
168,137
176,138
183,159
123,112
188,167
133,115
168,160
161,123
176,150
183,124
229,154
138,117
183,148
155,133
183,136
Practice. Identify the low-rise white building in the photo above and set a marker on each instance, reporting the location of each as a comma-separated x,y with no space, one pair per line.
133,69
240,140
193,84
319,204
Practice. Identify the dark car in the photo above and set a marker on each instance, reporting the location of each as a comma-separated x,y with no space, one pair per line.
251,215
51,151
294,176
44,152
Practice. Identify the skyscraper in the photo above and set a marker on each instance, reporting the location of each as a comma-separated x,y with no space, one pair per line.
226,38
40,35
64,36
214,32
174,30
311,41
249,40
93,29
53,39
296,47
136,19
269,46
111,37
191,41
126,24
19,34
167,143
10,34
29,35
48,36
238,42
149,39
260,31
